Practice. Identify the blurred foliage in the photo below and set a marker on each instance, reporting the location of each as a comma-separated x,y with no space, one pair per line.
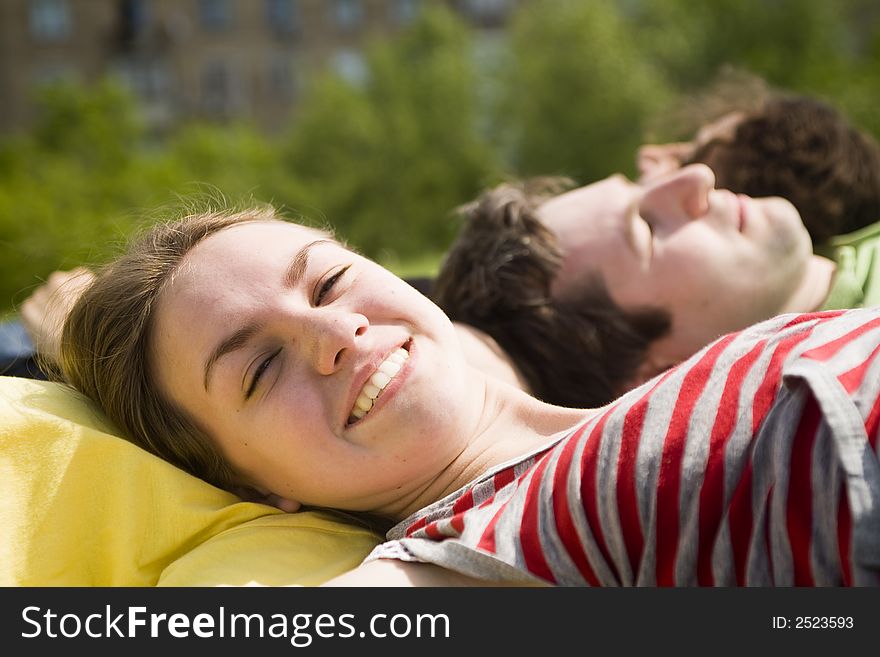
382,161
571,87
578,91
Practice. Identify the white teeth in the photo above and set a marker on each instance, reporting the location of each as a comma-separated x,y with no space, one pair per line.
386,371
390,368
371,391
380,379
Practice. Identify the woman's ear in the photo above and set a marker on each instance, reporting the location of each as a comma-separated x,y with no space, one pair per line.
264,496
290,506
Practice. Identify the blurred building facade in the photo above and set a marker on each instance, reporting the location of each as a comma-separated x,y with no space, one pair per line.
215,59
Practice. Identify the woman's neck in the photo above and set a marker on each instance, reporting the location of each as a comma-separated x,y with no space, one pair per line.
511,424
483,353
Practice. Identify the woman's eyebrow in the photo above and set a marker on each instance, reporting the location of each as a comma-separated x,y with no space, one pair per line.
300,261
240,337
232,343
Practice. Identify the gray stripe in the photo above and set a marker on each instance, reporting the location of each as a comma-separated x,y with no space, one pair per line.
736,457
858,461
555,552
648,459
696,453
825,481
584,531
606,484
771,456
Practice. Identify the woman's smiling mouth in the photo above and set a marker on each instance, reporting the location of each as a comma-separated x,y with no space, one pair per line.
387,370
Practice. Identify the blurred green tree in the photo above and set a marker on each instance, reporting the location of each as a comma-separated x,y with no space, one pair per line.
385,159
578,91
63,185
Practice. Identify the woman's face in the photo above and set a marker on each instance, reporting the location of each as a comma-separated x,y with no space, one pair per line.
270,336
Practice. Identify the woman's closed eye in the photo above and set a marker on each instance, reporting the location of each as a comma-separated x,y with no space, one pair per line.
327,286
258,373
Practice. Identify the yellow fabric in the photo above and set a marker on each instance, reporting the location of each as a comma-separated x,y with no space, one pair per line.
80,506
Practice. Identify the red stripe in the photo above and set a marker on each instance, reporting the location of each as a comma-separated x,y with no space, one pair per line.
767,390
502,478
464,502
487,540
844,538
461,505
821,315
799,506
829,349
712,490
530,529
562,514
852,379
669,473
627,507
871,423
416,526
741,523
627,501
433,532
499,481
590,491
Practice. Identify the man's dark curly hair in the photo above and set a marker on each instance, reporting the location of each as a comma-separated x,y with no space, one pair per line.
804,150
496,277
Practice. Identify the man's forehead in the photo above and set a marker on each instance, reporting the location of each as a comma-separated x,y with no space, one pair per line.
609,195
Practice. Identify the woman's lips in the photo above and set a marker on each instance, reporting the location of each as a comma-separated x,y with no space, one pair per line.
379,382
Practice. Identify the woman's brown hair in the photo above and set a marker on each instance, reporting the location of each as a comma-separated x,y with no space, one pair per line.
106,343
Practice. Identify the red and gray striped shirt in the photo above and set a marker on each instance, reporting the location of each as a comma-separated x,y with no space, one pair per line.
753,463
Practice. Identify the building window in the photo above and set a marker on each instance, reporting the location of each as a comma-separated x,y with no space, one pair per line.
217,89
405,11
282,16
215,14
146,77
52,74
282,81
50,19
350,65
134,18
348,14
488,8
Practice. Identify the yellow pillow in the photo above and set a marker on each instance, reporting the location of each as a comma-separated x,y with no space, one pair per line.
80,506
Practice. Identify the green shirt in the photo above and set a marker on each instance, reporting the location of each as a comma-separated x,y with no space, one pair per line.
857,279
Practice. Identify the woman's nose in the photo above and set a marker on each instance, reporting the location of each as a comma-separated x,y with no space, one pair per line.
334,336
680,196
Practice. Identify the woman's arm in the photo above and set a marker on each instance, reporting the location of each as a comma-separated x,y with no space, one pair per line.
44,311
390,572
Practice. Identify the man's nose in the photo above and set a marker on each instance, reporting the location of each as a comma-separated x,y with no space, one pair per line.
680,196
